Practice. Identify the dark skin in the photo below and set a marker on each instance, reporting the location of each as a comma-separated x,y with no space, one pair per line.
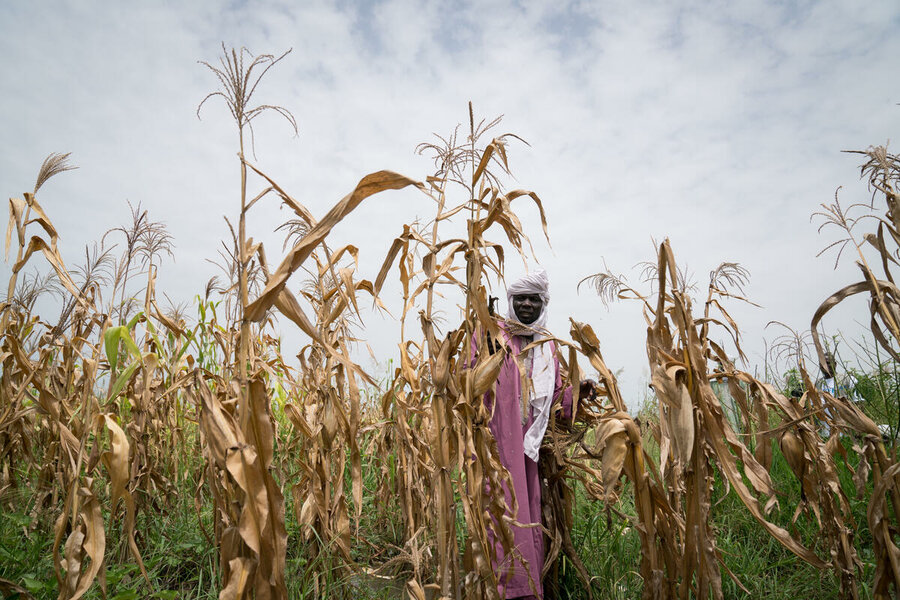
827,369
528,308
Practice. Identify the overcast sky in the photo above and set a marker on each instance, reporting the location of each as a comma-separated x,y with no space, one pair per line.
717,124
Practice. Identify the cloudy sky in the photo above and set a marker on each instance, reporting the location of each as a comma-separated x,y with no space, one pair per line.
718,125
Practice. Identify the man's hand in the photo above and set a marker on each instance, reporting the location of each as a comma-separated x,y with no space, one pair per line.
587,390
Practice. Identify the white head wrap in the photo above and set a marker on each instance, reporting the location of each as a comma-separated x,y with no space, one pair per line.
543,375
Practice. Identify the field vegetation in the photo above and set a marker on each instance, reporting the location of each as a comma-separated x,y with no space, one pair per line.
158,451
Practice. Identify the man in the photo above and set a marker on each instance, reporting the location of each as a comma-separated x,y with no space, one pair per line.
521,412
829,382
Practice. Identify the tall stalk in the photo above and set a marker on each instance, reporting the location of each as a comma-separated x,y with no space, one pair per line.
244,552
243,355
238,85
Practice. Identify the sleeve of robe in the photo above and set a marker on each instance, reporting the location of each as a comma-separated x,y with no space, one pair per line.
566,398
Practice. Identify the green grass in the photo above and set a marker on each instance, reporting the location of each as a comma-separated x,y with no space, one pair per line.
182,564
610,548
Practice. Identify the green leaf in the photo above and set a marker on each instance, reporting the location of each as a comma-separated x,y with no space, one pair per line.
117,573
123,379
125,595
113,577
134,320
130,345
111,343
187,344
19,519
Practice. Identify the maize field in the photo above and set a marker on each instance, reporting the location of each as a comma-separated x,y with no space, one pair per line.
308,477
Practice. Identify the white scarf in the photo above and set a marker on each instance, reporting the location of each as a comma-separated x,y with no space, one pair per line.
543,375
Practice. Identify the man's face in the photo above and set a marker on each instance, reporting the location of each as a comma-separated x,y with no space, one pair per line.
527,307
828,368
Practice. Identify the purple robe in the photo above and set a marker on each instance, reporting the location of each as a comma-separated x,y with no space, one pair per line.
506,425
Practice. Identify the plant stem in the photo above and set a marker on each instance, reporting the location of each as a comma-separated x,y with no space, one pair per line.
244,348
